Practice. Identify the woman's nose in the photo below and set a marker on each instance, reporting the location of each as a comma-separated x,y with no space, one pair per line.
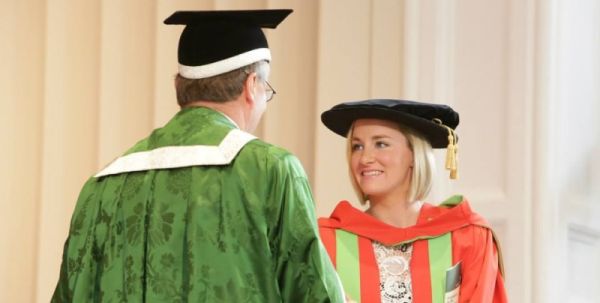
367,156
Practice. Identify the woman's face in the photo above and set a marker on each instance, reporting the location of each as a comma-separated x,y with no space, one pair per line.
381,159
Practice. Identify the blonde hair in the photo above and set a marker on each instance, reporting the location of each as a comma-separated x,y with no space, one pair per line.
423,165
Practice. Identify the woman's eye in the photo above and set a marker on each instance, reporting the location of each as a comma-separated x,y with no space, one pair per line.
381,144
356,147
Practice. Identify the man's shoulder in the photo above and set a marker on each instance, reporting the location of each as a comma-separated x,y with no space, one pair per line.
269,150
273,156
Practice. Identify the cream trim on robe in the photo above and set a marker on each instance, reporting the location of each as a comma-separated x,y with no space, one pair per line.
181,156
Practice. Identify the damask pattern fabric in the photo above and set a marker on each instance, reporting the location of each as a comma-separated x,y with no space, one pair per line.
243,232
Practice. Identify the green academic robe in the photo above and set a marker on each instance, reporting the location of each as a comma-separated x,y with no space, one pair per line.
197,212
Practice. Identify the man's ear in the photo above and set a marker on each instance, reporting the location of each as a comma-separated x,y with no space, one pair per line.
250,88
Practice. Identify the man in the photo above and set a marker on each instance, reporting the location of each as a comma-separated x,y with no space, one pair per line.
202,211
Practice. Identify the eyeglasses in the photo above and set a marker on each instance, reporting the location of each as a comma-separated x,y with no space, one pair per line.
270,92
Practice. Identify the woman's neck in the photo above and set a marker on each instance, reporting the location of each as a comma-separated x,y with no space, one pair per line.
398,213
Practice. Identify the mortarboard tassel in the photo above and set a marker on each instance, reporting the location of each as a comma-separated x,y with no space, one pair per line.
450,160
451,151
454,169
452,155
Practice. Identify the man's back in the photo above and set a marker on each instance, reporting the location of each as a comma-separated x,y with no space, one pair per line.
237,226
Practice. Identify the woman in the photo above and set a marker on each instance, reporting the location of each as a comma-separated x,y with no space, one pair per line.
401,249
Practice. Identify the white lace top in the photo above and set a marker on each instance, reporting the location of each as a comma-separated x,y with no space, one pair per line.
394,272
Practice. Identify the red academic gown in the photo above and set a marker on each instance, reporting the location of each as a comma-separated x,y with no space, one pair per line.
473,245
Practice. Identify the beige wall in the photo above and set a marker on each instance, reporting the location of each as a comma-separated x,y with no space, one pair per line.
21,121
83,80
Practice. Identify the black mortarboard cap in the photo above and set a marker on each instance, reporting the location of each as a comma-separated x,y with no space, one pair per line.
216,42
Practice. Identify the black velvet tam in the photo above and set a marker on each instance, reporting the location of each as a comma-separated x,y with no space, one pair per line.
415,115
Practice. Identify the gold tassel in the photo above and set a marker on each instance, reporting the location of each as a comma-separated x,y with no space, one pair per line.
450,161
454,169
451,151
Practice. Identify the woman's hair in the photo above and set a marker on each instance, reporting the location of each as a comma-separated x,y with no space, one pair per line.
423,165
220,88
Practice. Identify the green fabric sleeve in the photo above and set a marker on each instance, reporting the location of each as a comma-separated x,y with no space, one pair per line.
303,268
